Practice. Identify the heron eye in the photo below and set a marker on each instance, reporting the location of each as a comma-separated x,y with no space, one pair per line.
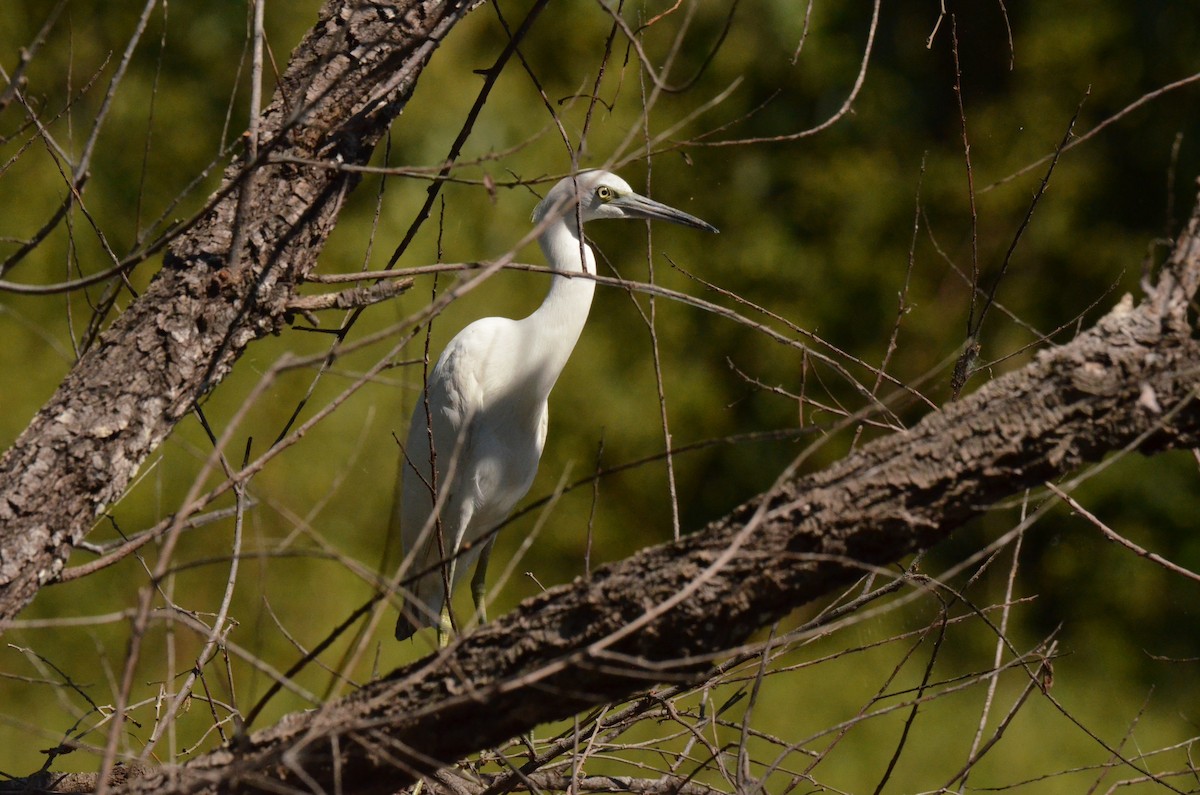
604,193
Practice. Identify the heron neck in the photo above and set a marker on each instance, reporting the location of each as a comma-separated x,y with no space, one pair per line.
558,322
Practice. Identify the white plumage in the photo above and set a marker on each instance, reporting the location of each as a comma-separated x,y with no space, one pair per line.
487,412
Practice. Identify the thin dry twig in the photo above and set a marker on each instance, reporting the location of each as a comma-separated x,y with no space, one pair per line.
1112,535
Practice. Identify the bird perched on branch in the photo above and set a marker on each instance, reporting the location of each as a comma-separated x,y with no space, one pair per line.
478,430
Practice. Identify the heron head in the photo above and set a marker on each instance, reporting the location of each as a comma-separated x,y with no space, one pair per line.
602,194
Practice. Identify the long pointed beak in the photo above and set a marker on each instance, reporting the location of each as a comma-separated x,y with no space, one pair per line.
640,207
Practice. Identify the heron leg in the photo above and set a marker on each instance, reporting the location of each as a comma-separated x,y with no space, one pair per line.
479,580
444,626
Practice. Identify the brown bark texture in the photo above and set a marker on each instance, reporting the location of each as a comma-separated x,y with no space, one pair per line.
1130,382
224,283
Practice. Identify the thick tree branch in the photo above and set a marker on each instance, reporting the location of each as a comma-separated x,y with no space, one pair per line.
347,81
1131,381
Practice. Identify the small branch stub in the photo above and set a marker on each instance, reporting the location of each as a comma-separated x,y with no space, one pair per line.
352,298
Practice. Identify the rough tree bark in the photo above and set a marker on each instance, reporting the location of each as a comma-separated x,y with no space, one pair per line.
1130,381
225,283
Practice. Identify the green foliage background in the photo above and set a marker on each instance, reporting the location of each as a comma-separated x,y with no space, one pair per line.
817,230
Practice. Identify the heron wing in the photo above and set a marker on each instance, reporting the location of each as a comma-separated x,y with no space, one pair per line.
454,396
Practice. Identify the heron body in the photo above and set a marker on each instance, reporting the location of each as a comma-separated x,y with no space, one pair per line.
485,405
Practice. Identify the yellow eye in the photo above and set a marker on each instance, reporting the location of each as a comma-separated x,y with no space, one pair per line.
605,193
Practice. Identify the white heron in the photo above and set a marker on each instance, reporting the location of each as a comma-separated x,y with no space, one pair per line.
484,409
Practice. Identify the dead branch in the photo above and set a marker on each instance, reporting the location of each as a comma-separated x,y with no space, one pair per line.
664,613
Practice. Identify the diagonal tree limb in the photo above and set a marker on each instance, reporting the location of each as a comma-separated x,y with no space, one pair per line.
348,79
1131,381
